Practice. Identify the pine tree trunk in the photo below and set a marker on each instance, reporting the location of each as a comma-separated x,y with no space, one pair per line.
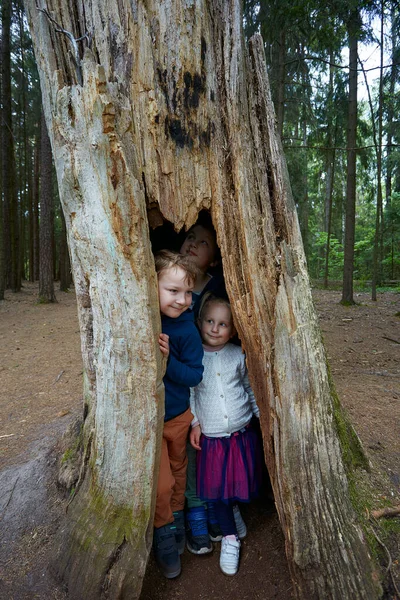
168,111
280,101
35,210
31,254
10,209
2,244
348,267
65,265
330,169
2,260
46,225
23,153
378,242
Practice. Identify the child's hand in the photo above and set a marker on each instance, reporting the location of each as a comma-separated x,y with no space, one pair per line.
163,342
194,437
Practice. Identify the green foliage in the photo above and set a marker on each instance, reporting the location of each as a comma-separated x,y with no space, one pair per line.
307,36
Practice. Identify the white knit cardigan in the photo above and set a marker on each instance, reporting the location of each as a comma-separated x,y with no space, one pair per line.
224,401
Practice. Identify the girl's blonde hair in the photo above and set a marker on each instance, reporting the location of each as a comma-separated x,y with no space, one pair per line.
165,259
209,299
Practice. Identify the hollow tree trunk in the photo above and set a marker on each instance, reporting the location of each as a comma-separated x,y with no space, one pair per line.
167,111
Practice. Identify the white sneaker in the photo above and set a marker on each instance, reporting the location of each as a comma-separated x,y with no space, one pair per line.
240,524
229,559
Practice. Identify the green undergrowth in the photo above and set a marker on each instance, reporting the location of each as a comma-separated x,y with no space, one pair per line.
358,286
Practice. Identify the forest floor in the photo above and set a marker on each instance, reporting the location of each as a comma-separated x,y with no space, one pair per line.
41,393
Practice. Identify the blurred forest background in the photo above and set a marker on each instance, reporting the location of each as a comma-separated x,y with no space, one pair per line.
338,118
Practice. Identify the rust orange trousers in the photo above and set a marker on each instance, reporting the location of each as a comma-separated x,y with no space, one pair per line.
172,478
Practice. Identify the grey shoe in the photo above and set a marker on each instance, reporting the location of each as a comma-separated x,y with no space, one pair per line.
166,551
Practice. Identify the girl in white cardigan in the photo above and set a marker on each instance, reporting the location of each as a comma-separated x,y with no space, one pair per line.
229,458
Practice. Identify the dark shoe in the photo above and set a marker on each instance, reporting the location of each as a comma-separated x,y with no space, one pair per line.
166,551
180,534
197,538
214,530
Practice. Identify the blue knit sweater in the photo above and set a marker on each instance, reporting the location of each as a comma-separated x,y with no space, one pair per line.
185,362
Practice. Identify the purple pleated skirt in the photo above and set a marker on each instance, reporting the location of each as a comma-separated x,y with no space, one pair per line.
230,468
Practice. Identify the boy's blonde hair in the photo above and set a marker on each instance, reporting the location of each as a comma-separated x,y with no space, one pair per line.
165,259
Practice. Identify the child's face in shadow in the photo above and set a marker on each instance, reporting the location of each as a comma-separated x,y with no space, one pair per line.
216,326
200,245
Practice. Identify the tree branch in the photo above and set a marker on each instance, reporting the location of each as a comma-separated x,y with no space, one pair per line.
297,146
331,64
73,41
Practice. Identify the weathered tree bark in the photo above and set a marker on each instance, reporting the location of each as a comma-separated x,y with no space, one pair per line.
46,225
167,111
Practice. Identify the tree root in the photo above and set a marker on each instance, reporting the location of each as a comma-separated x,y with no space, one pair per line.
393,511
389,568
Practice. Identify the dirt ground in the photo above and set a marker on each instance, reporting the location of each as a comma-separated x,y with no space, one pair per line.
41,392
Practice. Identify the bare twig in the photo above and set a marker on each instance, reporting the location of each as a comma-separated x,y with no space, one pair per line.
390,339
331,64
344,148
390,562
59,376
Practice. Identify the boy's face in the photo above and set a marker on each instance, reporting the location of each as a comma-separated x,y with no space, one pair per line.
216,326
174,291
201,247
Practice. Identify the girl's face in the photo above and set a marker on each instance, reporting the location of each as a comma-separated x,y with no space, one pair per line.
200,245
216,326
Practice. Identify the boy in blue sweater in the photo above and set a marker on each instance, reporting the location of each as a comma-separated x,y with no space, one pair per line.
180,342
